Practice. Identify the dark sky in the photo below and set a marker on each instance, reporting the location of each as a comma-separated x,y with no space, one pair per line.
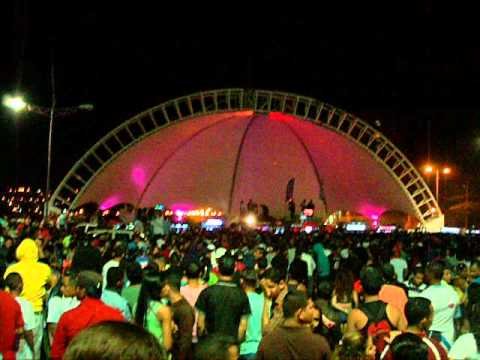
403,65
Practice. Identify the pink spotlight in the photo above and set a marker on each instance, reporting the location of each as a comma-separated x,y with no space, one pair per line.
139,177
109,202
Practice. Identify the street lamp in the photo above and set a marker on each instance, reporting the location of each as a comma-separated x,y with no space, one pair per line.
429,169
18,104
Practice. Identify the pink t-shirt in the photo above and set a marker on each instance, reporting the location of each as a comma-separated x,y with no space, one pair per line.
191,294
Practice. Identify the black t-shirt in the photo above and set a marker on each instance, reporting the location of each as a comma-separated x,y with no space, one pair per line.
223,305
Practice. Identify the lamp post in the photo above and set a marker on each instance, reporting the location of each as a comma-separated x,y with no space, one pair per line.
429,169
17,104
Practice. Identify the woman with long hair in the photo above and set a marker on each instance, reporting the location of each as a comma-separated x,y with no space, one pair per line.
343,296
151,313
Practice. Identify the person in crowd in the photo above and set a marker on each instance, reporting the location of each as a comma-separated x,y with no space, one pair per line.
393,292
118,253
111,294
12,325
294,339
467,345
37,277
409,347
416,283
152,313
223,308
419,314
61,303
217,347
355,346
275,288
321,259
132,291
343,296
191,291
183,316
400,265
444,300
91,311
14,285
253,336
374,317
111,340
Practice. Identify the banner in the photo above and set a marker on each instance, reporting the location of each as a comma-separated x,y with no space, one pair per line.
290,187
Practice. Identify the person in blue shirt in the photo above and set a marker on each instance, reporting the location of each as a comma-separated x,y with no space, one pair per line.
111,294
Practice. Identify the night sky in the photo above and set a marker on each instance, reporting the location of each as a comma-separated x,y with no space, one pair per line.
399,66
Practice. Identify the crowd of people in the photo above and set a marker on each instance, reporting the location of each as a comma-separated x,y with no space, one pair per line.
235,293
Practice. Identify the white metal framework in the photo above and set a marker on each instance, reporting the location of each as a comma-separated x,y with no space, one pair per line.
199,104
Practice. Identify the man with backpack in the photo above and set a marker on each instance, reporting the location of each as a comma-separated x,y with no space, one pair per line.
374,317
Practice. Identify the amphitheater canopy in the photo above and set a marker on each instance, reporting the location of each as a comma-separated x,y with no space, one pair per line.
218,148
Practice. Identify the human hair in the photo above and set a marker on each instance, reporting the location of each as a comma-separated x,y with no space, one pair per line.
119,249
114,275
388,272
324,290
134,273
91,282
173,279
435,270
408,346
226,265
294,301
152,285
417,309
371,280
113,340
418,270
352,347
214,347
343,284
274,275
14,282
249,278
193,270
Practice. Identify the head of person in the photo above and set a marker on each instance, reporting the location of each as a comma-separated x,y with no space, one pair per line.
119,251
134,273
343,283
115,277
372,280
193,271
355,346
447,275
14,283
226,265
298,306
171,283
68,287
419,312
150,290
418,276
474,270
408,346
273,282
114,340
249,279
27,251
388,272
217,347
435,272
88,285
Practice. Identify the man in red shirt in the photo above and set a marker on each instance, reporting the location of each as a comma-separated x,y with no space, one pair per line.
11,328
91,311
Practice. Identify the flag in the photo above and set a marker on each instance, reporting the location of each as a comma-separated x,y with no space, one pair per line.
289,192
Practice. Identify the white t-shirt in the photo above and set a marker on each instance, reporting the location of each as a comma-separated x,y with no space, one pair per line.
444,301
24,351
399,266
465,347
57,306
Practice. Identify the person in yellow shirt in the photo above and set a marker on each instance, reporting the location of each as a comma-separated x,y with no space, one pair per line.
36,277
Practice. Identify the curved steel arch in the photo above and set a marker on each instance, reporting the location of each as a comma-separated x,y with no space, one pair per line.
137,128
